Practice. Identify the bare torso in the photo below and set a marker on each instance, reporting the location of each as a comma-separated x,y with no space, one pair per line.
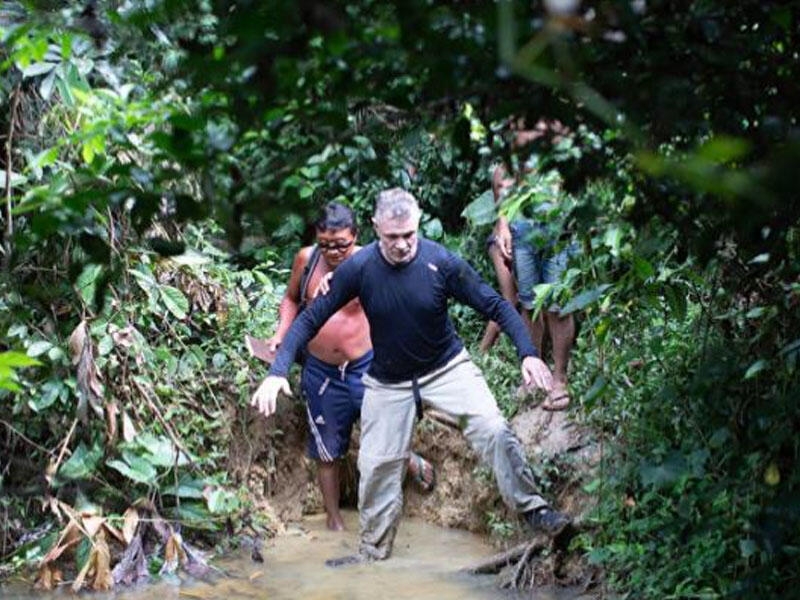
345,336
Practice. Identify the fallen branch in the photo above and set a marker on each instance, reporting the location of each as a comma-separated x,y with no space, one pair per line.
64,445
22,436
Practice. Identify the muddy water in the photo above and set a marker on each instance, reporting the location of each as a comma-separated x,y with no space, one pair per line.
425,565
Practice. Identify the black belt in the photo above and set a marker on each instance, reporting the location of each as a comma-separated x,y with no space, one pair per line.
417,397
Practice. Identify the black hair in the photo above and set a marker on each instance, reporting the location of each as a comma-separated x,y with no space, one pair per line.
335,215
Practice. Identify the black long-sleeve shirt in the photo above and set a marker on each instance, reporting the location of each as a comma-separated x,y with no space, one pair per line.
406,306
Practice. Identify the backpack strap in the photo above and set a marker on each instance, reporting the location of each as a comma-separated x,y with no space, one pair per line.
305,277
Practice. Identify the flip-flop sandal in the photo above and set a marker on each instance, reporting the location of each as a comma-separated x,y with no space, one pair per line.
558,402
419,477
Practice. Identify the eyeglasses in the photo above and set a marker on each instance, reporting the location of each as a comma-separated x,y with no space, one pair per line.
334,246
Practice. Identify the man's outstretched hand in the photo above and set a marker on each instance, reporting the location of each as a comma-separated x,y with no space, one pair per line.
535,372
266,396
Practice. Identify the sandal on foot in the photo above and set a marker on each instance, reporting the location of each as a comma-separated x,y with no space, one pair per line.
418,475
557,401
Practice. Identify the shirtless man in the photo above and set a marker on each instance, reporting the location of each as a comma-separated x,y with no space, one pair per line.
335,359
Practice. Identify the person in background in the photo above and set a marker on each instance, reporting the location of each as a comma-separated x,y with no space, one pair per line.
536,261
505,281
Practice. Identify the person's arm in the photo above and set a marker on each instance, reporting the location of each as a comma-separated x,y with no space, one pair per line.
465,285
501,181
290,303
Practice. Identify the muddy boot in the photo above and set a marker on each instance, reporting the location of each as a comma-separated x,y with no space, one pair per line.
547,521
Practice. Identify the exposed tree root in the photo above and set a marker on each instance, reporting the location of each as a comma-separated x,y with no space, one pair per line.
521,567
495,563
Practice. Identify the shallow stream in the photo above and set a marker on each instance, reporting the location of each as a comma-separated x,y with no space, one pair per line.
426,564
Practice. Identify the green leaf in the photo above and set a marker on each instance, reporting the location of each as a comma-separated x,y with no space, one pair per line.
186,488
36,69
676,299
51,391
82,463
219,359
195,513
722,149
12,359
221,501
18,331
16,179
46,86
481,211
39,347
613,239
8,382
644,270
105,345
593,485
145,281
126,471
175,301
190,258
598,387
8,362
134,468
584,299
747,548
756,368
65,92
789,349
756,312
87,153
221,136
663,474
87,282
433,229
720,437
160,451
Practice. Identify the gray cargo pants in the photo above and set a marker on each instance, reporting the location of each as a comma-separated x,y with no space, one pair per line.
459,390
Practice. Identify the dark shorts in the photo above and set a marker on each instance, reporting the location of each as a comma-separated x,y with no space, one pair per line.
534,264
333,403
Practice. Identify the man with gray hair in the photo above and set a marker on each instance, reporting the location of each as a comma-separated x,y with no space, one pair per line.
404,284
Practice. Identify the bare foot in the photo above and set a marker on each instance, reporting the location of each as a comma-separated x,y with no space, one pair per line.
335,523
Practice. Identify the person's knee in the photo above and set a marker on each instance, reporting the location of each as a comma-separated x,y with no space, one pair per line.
380,467
486,430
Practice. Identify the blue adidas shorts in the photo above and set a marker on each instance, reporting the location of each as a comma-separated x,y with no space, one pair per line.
333,403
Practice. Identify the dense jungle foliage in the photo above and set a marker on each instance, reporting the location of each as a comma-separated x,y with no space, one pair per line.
160,160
